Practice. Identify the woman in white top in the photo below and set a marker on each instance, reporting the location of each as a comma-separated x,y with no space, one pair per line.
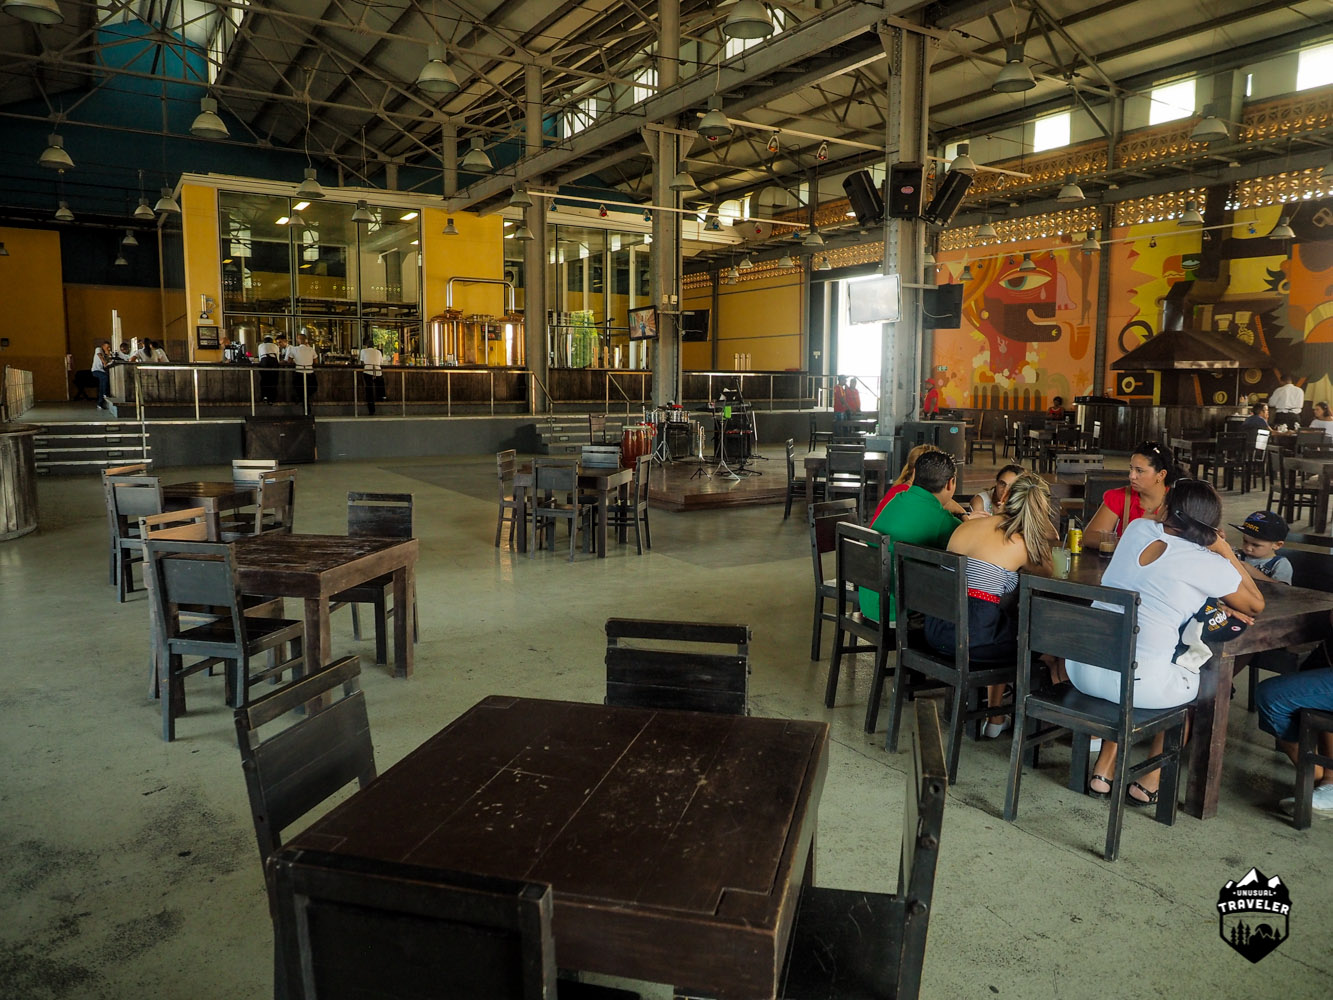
1323,419
991,500
159,355
372,377
1175,565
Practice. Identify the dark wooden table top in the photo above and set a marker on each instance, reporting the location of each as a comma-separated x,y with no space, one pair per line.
674,841
316,565
207,489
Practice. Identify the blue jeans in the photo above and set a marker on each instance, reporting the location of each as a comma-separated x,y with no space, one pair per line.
103,385
1278,699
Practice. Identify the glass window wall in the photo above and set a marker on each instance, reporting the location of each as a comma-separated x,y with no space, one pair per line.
598,275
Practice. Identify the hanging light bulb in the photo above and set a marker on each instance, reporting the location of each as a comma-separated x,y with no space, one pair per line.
824,264
362,213
1015,77
207,124
963,163
1152,241
167,203
436,76
748,19
682,181
309,187
295,220
523,232
746,263
1191,216
714,125
1027,264
63,214
475,159
449,228
812,239
647,215
1090,244
129,240
34,11
822,153
773,143
786,261
967,273
714,225
986,231
1071,192
1283,231
54,156
733,273
520,199
1210,128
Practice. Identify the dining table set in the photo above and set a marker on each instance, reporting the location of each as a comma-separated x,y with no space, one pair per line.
607,485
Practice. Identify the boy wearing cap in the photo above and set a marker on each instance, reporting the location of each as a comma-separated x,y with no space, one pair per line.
1262,535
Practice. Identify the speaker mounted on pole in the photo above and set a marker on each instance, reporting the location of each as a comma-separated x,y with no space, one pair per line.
947,199
866,200
906,182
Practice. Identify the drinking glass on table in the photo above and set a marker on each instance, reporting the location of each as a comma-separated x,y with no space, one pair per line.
1060,559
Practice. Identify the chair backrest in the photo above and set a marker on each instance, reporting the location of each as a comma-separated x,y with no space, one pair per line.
930,582
506,464
1058,617
677,665
1277,467
863,559
554,477
137,469
193,574
847,459
1232,446
354,927
596,428
1309,438
1095,486
189,525
790,445
291,771
130,498
823,519
1258,440
276,501
382,515
643,470
1310,569
246,472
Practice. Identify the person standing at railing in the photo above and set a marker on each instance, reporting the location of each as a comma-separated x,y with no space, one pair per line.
840,399
101,364
159,355
268,364
303,357
853,400
372,377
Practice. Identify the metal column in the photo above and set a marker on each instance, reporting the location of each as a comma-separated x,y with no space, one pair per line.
534,253
666,258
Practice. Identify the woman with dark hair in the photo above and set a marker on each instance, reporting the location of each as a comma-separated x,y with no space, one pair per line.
1175,565
1323,419
1152,471
990,501
1017,539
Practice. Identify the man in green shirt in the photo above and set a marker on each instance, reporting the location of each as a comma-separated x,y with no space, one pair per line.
917,515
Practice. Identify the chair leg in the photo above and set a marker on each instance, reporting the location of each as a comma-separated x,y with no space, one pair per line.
499,523
957,719
173,696
356,622
1011,787
835,667
381,630
877,684
647,530
1170,778
1117,818
901,680
1303,811
816,630
1080,755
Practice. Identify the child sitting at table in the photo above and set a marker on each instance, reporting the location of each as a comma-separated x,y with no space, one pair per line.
1262,535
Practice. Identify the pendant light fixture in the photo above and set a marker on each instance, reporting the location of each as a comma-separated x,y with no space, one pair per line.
746,263
733,273
824,264
1071,192
966,274
54,156
362,213
520,199
714,125
986,231
309,186
120,261
129,240
812,239
1210,128
207,124
144,212
450,229
167,203
963,163
1015,77
1090,244
63,214
1283,230
475,159
523,232
34,11
1027,264
1191,216
748,19
786,261
928,259
437,76
682,182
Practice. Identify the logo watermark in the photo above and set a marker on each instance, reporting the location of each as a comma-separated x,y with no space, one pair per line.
1253,914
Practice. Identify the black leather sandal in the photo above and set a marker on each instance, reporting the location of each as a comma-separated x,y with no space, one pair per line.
1100,795
1149,800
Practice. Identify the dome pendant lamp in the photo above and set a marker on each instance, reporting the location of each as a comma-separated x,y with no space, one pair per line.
748,19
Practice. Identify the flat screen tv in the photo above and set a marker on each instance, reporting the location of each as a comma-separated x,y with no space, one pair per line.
643,323
694,324
874,300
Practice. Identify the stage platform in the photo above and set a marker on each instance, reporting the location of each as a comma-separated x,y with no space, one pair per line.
674,486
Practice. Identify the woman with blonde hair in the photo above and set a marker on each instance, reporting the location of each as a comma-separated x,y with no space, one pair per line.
1018,539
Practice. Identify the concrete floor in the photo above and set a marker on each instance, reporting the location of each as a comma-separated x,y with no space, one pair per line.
128,866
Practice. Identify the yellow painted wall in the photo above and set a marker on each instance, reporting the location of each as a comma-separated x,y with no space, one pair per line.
476,252
764,317
88,317
32,311
203,269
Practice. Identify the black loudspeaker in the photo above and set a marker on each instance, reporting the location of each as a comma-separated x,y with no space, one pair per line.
865,199
287,439
947,199
942,307
904,194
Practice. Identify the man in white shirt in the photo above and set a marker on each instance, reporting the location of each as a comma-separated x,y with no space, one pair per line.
101,364
303,356
1286,402
372,377
267,356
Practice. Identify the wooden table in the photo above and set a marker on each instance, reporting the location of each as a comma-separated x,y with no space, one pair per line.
1321,467
816,467
675,842
603,482
1291,615
315,567
213,496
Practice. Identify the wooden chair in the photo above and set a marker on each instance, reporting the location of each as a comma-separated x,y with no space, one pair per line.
129,498
274,508
934,583
1058,617
1230,455
1312,723
1256,445
201,574
246,472
635,510
978,440
818,436
377,515
353,927
512,507
855,943
1314,571
597,428
683,666
1095,486
795,483
555,497
822,519
863,560
1309,438
1300,497
847,475
137,469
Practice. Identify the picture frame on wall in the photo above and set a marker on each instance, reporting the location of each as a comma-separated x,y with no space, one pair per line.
208,336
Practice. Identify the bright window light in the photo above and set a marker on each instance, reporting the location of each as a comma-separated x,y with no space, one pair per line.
646,85
1171,102
1050,132
578,118
1314,67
